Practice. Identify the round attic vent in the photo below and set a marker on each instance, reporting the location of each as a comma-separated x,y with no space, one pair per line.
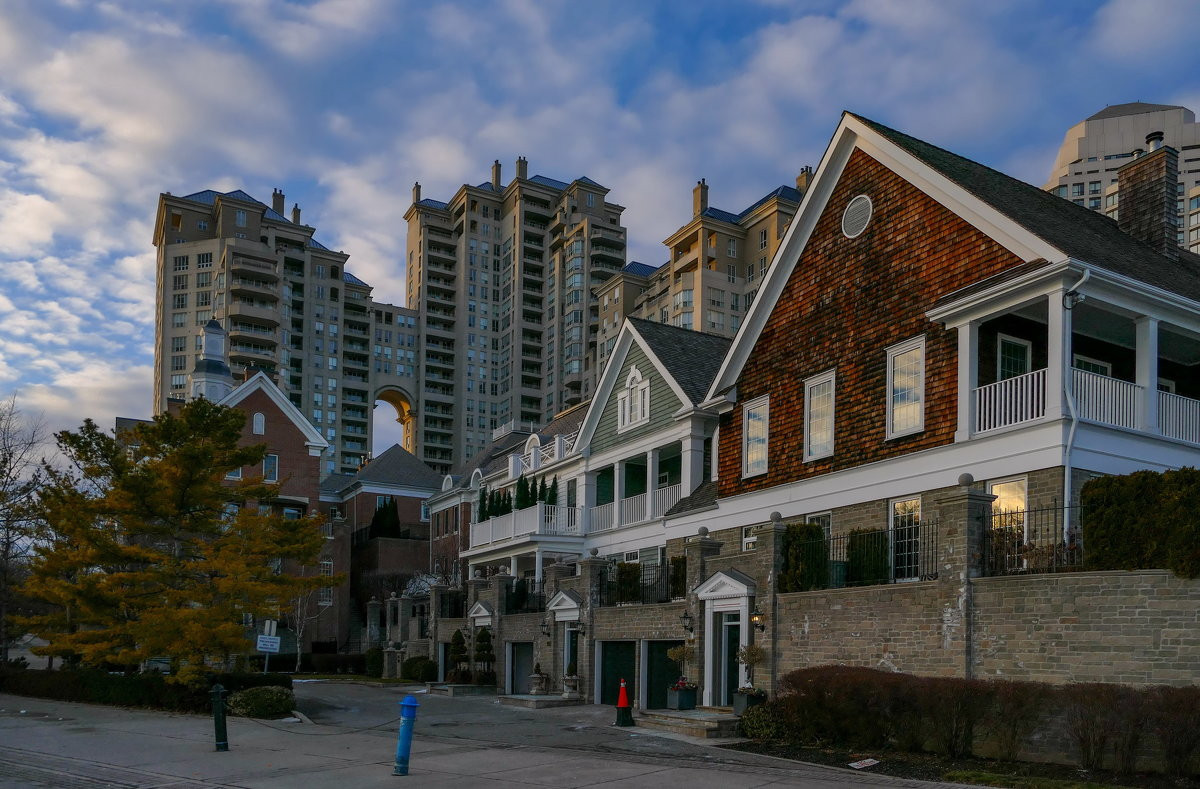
856,217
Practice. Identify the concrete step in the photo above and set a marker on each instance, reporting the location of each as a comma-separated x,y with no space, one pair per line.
529,701
461,690
709,723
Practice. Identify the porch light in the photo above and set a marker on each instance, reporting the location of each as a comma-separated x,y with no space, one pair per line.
546,628
756,619
685,619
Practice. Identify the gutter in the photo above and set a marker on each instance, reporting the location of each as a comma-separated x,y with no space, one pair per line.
1069,392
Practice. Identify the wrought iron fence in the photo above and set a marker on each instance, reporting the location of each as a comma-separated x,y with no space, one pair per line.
524,596
628,584
1034,541
907,552
452,604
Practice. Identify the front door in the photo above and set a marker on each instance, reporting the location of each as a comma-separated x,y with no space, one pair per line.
443,654
521,666
661,672
731,636
618,661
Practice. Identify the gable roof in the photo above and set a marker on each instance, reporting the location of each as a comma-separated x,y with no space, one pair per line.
692,358
1081,233
398,466
260,382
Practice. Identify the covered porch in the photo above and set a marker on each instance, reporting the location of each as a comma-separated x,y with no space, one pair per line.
643,487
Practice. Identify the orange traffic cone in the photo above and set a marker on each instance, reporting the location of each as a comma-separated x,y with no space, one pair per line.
624,711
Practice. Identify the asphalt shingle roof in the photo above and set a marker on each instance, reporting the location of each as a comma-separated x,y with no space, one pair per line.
397,466
336,483
702,498
691,357
1081,233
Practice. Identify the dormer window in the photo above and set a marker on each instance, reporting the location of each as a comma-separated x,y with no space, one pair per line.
633,402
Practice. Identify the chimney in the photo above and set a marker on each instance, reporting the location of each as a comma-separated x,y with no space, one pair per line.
296,213
416,192
496,174
803,179
1149,189
699,198
277,201
522,167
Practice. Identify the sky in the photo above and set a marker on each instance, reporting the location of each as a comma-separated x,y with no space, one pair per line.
343,104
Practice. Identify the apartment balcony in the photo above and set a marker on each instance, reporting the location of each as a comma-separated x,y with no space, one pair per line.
240,353
254,287
634,509
260,312
540,520
239,264
252,333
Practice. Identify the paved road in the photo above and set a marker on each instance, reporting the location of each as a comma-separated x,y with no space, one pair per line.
459,742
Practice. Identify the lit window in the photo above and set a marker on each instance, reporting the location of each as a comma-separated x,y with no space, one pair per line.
1008,508
749,539
755,419
906,539
906,388
818,416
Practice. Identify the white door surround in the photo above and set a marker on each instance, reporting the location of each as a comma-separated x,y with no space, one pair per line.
725,591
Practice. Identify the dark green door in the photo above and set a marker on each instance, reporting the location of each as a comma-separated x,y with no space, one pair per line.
572,655
521,667
618,660
733,636
661,672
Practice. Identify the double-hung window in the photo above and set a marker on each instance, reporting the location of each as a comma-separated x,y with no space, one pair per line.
633,402
906,388
271,468
818,415
905,535
1013,357
755,420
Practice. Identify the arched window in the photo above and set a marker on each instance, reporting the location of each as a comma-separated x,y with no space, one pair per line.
259,424
633,402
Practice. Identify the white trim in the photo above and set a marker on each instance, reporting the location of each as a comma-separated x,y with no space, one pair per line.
1026,344
1076,358
913,344
870,215
633,401
723,585
315,442
891,525
763,402
827,377
564,606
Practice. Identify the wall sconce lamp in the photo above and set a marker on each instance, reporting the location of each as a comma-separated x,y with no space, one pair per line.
546,628
756,619
685,619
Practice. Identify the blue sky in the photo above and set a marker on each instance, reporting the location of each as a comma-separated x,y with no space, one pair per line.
344,103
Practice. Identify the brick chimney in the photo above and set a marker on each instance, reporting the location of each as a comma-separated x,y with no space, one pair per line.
277,201
416,192
522,167
1148,186
296,214
803,179
699,198
496,173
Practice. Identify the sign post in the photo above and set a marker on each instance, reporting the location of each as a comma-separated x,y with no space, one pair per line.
268,642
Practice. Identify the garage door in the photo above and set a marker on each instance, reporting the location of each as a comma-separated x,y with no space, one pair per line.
618,660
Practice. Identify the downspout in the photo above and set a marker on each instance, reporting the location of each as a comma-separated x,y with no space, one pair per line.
1069,392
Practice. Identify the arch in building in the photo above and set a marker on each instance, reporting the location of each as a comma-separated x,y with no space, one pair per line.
405,406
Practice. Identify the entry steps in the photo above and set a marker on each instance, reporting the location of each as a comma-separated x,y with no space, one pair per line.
704,722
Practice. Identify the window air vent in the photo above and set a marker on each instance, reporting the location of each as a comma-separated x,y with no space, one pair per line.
856,217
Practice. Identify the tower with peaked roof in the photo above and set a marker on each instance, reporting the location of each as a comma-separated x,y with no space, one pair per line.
211,378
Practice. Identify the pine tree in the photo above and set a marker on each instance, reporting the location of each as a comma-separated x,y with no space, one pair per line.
552,492
483,505
524,499
541,489
483,649
150,552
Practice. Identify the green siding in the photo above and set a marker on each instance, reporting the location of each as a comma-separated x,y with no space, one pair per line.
663,403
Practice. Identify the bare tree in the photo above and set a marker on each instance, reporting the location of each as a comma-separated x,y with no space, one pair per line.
303,610
21,438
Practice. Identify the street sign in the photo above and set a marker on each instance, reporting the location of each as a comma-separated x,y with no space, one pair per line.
268,643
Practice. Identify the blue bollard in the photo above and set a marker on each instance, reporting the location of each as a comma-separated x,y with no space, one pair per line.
408,719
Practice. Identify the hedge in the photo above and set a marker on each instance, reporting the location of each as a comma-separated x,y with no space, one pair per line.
92,686
805,558
419,669
262,702
1143,520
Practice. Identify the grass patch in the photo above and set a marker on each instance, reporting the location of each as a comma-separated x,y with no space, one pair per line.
982,778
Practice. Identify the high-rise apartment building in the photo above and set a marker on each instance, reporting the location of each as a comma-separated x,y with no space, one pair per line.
1085,170
501,277
715,264
289,307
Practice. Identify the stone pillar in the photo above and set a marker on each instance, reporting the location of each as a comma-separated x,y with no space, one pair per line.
500,583
697,549
554,575
391,663
963,513
769,565
590,571
373,634
476,590
392,613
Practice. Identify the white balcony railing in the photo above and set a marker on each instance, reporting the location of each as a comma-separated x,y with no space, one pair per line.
666,498
1011,401
1099,398
1179,417
633,509
557,519
541,518
603,518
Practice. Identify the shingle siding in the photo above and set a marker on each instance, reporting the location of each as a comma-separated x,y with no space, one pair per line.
663,403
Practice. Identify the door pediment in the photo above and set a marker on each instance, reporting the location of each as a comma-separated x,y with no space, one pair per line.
480,614
726,584
564,606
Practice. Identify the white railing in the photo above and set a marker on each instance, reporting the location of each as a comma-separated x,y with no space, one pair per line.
666,498
1179,417
1099,398
602,517
557,519
546,453
539,519
633,509
1012,401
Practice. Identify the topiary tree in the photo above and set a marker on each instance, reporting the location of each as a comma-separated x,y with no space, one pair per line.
483,505
805,558
552,492
524,498
483,649
458,652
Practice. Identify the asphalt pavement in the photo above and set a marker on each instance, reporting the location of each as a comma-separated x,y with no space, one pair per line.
347,738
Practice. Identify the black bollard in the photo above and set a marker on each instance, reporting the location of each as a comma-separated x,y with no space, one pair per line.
218,707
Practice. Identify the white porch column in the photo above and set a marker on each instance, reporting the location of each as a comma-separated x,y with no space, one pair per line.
618,490
1146,348
744,640
651,482
1058,355
692,464
968,378
586,499
537,564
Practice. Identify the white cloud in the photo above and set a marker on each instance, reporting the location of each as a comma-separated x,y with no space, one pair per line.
97,389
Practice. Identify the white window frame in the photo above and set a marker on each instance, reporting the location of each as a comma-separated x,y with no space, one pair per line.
325,593
914,344
235,474
1018,518
633,402
1166,385
824,519
748,470
1026,344
258,424
749,539
1076,358
892,537
270,468
829,377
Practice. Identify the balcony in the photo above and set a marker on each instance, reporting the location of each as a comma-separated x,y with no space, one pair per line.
255,311
542,519
1179,417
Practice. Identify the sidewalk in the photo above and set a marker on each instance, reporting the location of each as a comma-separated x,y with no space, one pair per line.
58,744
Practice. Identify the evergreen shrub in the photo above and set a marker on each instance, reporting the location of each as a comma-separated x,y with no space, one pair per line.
805,558
263,702
1143,520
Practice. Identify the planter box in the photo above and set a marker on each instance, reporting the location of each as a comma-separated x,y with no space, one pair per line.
681,699
744,701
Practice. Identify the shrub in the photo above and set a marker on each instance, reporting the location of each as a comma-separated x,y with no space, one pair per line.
1175,718
413,668
805,558
484,677
1090,711
952,708
1015,708
262,702
762,723
150,690
373,662
867,560
629,582
1143,520
678,577
843,704
1129,721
